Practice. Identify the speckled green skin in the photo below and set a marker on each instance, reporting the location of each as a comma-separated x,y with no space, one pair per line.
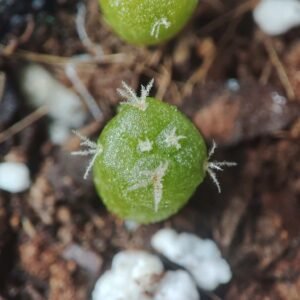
133,20
121,164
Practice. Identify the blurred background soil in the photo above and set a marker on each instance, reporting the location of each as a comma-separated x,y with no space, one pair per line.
240,87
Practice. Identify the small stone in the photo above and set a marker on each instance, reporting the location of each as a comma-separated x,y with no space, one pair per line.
201,257
134,276
14,177
64,106
58,133
177,285
276,17
86,259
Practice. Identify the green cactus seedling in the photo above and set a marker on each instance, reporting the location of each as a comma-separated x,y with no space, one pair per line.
149,159
147,22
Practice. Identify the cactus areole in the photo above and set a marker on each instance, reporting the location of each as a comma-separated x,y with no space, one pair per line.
147,22
149,159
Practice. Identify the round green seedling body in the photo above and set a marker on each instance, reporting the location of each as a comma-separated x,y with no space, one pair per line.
147,22
151,162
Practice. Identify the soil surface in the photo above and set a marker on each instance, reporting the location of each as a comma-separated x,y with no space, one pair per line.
240,87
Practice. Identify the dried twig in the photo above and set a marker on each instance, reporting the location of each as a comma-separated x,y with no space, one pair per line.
83,91
22,124
60,60
236,12
208,51
282,74
2,84
95,49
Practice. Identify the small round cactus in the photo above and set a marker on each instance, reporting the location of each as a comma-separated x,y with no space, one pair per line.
149,159
147,22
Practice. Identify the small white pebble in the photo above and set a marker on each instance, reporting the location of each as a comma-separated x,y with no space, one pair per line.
41,88
87,259
164,241
14,177
134,276
59,133
233,85
201,257
131,225
276,17
177,285
115,285
210,272
279,103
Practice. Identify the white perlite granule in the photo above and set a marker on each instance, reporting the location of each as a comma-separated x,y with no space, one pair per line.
201,257
14,177
276,17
